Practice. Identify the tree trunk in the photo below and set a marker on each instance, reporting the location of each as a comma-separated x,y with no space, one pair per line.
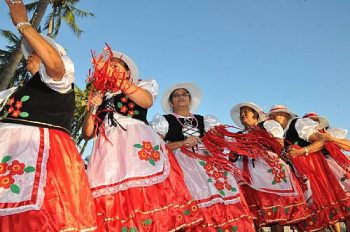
8,73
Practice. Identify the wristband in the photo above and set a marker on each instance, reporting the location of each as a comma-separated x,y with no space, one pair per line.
306,151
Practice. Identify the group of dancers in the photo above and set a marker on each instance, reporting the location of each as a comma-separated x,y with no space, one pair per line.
180,172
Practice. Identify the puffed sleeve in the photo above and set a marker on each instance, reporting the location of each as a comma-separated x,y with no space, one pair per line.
64,85
151,86
274,128
159,124
338,133
4,95
210,121
306,127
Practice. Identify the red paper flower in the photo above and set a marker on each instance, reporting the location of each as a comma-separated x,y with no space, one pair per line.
6,181
143,155
16,168
3,167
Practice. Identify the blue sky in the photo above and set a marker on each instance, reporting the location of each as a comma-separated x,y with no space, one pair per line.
291,52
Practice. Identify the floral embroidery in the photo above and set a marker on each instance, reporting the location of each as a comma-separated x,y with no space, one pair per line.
230,228
7,172
217,177
127,107
277,169
148,152
14,108
125,229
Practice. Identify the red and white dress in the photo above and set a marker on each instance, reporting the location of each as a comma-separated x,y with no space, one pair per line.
272,192
319,173
43,184
214,189
135,180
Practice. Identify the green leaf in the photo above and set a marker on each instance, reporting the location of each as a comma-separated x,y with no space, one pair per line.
14,188
147,222
137,145
5,115
187,212
25,98
285,180
234,228
156,148
274,182
119,105
202,163
210,180
136,112
274,209
24,114
270,170
29,169
6,159
225,173
124,229
233,189
222,192
134,229
286,210
151,161
219,230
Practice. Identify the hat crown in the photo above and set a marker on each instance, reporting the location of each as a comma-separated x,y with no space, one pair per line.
311,114
278,107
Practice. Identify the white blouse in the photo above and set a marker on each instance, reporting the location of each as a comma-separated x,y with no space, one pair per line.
306,127
161,125
338,133
274,128
64,85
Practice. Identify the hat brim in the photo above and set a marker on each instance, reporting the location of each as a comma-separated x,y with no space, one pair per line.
291,114
195,92
27,49
134,73
323,122
236,112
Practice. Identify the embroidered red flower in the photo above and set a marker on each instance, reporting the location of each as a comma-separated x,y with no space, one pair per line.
131,113
208,167
282,175
124,99
147,146
228,186
123,109
18,104
155,155
277,179
16,168
131,105
219,185
10,110
3,167
11,101
274,171
6,181
217,175
16,113
143,155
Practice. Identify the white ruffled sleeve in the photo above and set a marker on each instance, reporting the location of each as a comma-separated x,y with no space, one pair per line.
274,128
4,95
210,121
306,127
338,133
159,124
64,85
151,86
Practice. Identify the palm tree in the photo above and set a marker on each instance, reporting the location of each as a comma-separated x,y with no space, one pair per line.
61,9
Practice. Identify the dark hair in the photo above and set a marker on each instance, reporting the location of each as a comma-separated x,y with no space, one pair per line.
121,62
172,93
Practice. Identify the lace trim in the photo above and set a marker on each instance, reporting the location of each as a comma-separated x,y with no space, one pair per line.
227,222
134,183
34,123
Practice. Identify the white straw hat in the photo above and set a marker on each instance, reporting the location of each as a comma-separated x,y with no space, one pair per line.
281,108
195,92
323,122
235,113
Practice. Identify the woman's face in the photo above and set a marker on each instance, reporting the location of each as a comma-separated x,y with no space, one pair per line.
282,118
116,65
180,98
248,117
33,63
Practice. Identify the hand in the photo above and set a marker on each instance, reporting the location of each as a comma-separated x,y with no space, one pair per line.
95,101
18,11
191,141
328,137
296,151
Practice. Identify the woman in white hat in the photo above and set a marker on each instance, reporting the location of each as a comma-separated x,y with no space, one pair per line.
43,184
272,191
135,180
215,190
326,197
